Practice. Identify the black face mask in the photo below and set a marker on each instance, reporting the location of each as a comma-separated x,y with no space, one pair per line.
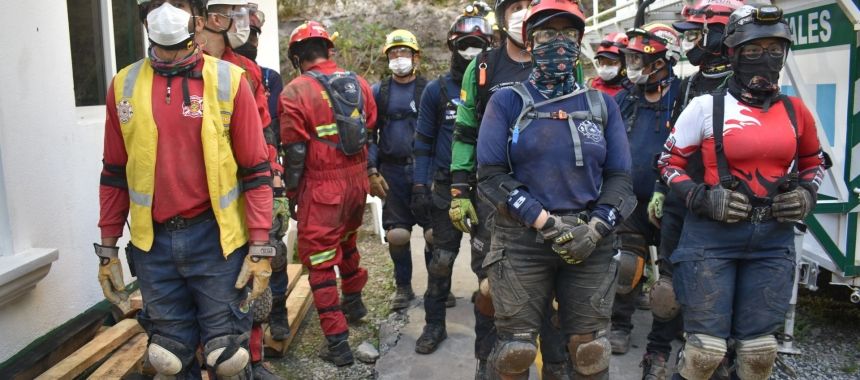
458,66
248,50
705,54
756,81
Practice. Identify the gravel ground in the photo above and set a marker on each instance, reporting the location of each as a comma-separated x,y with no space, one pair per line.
302,362
828,334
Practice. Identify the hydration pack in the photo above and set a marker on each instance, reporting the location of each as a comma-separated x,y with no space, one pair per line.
344,95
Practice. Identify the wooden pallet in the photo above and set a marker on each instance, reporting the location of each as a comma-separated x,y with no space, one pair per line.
118,351
298,303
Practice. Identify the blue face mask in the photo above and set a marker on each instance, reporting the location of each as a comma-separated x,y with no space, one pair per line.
553,67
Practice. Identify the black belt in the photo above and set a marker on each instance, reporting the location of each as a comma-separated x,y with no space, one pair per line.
402,161
177,223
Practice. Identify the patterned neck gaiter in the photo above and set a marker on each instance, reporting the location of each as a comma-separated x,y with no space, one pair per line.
173,68
553,67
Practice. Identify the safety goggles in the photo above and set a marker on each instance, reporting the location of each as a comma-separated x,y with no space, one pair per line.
239,16
707,12
400,52
466,42
255,12
468,25
546,35
754,51
693,35
645,36
634,60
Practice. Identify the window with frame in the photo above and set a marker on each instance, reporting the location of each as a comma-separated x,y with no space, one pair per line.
101,41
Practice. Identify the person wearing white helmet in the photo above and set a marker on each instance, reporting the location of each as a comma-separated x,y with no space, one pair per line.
196,238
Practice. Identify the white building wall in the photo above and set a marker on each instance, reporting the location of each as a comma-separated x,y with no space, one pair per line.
51,159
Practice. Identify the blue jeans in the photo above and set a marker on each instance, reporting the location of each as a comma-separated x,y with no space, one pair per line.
734,280
188,287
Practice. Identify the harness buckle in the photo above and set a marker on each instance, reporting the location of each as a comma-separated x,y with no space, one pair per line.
760,214
559,115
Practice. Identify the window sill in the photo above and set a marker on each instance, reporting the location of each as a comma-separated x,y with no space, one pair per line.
20,272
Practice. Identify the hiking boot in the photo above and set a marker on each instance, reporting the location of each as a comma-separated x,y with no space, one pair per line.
654,367
353,308
482,372
620,341
431,337
279,327
556,371
451,301
402,297
262,373
336,352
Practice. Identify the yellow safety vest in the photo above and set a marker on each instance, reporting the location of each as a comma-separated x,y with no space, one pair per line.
133,94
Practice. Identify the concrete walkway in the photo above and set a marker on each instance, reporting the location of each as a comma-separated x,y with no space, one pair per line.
455,357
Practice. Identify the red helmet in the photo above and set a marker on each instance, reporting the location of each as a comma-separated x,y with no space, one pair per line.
704,12
654,38
610,44
541,11
308,30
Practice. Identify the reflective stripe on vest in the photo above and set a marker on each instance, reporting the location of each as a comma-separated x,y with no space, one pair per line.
133,93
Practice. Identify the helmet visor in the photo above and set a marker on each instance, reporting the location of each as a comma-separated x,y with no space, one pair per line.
469,25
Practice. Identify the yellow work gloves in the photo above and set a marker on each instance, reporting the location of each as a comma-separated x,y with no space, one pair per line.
655,208
257,267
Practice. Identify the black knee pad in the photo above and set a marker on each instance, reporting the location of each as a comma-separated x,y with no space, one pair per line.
442,262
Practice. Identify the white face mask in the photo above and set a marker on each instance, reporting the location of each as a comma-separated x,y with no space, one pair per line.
607,72
687,45
637,77
168,25
401,66
470,53
515,26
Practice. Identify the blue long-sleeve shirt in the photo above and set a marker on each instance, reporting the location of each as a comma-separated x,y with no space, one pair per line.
395,134
648,126
434,134
543,156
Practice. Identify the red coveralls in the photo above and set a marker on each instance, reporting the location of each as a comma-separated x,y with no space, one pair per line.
331,195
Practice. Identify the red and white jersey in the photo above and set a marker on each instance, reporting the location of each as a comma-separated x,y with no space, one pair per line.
759,146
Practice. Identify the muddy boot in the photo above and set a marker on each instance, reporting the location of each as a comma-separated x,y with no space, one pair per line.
402,297
451,301
336,350
353,308
556,371
654,367
431,337
263,373
279,327
620,341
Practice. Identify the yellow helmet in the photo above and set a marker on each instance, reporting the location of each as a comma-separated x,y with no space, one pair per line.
401,37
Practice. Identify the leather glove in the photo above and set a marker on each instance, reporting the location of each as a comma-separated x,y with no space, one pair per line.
257,265
378,186
110,274
556,227
463,214
793,206
421,201
576,244
655,208
718,203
